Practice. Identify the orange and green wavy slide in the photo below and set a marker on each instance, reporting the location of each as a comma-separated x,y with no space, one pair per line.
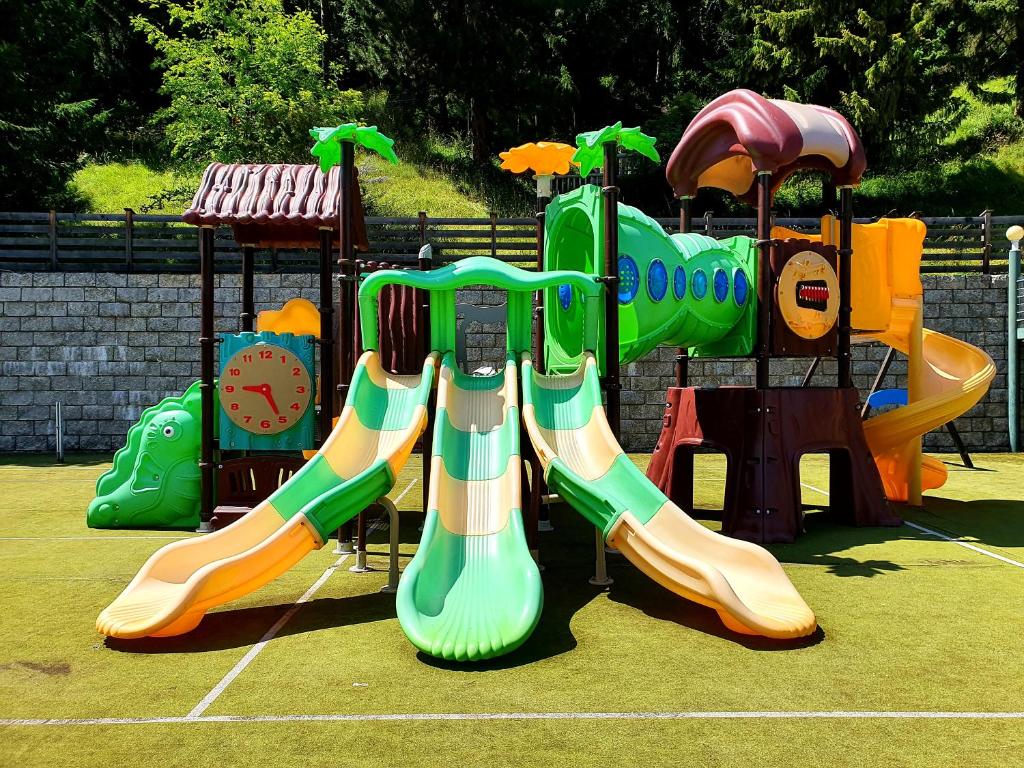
583,462
473,591
380,423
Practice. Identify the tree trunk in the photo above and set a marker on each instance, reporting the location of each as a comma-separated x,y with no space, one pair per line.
1019,51
479,133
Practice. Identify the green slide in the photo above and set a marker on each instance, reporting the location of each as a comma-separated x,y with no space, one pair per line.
473,591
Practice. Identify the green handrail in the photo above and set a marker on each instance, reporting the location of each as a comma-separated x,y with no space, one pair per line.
479,270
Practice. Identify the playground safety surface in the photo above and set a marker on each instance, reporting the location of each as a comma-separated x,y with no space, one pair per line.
917,660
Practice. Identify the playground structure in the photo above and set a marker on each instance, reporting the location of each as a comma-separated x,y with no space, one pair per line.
612,286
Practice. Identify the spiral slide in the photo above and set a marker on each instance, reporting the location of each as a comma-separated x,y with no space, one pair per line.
358,463
585,465
472,591
954,376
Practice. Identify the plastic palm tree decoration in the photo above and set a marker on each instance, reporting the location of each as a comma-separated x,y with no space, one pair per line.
590,152
544,158
329,140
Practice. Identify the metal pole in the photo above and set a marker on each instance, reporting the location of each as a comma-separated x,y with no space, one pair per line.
764,274
682,354
1014,234
611,279
393,543
600,577
427,440
327,332
360,566
206,351
59,430
247,317
810,372
845,309
883,371
346,301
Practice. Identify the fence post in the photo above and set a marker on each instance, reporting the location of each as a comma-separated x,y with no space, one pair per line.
53,240
423,228
708,229
129,239
986,235
494,235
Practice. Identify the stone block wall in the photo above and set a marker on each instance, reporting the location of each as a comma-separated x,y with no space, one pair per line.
108,345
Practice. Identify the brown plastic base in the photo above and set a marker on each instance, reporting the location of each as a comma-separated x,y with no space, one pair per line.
763,434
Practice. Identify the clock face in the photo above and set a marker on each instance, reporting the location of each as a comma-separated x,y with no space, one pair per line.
265,389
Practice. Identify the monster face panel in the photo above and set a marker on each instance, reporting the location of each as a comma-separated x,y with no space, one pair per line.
808,295
806,305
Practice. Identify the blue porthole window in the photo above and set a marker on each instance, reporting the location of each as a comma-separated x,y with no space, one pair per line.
629,279
657,280
565,296
679,283
721,285
700,284
740,287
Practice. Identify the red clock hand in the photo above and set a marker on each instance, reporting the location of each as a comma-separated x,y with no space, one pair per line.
270,399
263,389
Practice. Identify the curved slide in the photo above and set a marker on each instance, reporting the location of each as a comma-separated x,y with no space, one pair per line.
472,591
954,377
585,465
358,463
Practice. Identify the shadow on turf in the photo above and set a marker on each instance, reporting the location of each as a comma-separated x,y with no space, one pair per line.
243,627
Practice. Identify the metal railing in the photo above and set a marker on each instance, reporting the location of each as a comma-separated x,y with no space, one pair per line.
132,242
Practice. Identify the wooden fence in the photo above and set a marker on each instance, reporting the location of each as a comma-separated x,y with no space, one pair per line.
130,242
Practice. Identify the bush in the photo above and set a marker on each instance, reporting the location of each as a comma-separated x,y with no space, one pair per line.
246,80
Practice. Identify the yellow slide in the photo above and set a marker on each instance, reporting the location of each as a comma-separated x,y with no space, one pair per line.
358,463
587,467
946,377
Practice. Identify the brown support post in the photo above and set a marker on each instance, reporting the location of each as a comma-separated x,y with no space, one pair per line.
986,236
845,255
53,240
129,239
346,278
206,350
613,384
427,441
423,228
764,276
828,195
247,317
494,235
682,355
327,331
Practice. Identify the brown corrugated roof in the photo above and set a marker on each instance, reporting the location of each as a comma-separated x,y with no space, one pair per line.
279,205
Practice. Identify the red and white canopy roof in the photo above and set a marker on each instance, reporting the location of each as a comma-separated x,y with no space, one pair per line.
742,133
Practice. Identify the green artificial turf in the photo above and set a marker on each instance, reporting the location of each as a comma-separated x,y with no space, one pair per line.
909,622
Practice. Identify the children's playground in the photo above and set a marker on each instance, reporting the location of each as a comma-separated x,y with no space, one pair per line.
343,546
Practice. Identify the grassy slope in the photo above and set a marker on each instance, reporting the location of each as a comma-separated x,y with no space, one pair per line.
909,622
401,190
977,164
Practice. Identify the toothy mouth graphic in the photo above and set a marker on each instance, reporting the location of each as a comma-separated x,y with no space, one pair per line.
812,294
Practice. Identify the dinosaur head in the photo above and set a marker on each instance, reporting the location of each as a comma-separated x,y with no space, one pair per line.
165,475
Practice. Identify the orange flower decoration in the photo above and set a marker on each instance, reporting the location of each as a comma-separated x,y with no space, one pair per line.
543,157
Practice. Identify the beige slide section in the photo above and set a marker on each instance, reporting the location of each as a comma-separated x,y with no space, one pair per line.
585,464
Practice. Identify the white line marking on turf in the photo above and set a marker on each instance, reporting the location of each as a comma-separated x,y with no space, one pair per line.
937,534
402,494
246,660
965,544
476,716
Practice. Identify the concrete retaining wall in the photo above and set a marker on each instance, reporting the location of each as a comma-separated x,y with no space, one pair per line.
108,345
